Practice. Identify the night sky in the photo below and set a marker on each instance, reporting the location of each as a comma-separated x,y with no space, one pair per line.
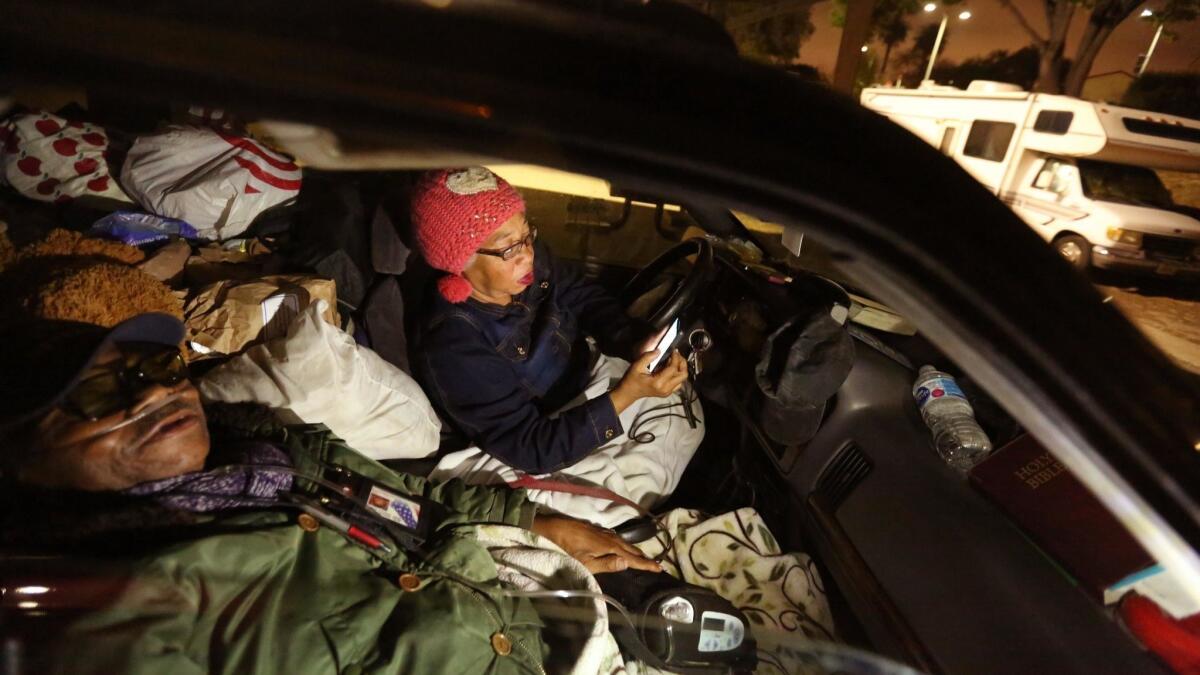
993,27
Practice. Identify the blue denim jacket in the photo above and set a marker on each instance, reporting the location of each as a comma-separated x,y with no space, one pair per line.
498,373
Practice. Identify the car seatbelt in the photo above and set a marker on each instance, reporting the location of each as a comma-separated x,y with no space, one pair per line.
530,483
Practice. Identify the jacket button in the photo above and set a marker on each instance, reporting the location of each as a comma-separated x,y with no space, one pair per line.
308,523
501,644
410,582
545,284
608,433
521,351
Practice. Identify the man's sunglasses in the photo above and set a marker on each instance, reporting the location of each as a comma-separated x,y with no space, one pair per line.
509,252
118,384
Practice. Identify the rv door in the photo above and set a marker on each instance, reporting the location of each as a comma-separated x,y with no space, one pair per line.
949,136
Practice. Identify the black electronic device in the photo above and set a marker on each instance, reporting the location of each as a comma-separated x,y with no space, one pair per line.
666,343
677,626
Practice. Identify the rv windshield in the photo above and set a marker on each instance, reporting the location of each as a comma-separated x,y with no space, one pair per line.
1123,184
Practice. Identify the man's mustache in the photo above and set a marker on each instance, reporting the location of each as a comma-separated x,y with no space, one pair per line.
145,426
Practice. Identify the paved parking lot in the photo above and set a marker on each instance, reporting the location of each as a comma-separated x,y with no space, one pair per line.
1168,313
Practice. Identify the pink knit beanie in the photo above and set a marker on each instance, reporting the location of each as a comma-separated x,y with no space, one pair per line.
453,212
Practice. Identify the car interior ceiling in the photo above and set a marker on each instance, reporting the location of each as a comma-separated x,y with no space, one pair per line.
868,465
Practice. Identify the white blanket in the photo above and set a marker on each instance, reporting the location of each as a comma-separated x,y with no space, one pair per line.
645,473
528,562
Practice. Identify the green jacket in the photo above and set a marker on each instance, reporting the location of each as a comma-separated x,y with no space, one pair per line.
259,594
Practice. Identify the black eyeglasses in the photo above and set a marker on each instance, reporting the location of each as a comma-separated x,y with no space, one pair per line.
509,252
118,386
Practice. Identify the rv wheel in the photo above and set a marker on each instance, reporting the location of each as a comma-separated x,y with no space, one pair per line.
1075,249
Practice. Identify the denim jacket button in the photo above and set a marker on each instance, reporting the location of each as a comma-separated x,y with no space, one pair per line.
608,433
545,284
521,351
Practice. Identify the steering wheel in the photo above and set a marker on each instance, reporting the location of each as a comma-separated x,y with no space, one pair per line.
684,293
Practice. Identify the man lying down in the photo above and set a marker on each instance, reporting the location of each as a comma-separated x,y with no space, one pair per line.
107,451
231,544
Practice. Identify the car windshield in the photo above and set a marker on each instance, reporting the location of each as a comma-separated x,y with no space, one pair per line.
1124,184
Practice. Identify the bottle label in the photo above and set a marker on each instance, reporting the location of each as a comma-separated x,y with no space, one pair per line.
935,388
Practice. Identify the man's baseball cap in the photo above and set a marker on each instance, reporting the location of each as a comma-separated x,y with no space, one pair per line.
41,360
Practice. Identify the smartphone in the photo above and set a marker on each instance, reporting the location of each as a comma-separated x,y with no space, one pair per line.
664,345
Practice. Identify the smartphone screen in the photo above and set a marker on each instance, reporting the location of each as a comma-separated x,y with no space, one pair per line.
664,345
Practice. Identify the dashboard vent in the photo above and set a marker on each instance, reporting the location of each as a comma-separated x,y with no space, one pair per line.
847,469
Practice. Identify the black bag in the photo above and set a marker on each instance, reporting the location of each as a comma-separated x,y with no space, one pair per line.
802,365
714,639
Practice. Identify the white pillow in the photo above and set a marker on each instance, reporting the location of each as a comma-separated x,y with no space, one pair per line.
317,374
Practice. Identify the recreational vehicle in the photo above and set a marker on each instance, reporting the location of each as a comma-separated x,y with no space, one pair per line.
1080,173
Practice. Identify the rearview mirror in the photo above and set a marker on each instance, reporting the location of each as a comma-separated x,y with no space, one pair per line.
793,240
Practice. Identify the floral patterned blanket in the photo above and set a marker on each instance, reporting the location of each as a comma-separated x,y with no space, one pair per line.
736,556
733,554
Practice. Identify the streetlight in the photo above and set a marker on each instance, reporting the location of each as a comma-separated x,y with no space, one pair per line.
937,43
1146,14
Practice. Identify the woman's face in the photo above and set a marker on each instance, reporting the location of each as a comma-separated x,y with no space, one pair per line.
495,280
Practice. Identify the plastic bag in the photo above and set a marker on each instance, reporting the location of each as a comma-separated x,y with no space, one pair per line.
214,180
139,229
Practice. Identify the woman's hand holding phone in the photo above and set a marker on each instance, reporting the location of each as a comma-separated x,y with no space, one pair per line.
639,382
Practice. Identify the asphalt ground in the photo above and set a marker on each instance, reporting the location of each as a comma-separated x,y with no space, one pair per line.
1167,311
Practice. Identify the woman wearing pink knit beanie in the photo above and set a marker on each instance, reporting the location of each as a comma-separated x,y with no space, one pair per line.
455,214
503,348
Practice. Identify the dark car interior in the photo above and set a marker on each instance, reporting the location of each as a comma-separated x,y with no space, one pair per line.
923,567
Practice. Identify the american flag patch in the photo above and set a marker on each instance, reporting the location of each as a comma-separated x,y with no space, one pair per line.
408,512
394,507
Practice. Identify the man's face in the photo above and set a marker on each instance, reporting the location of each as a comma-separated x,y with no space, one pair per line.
72,452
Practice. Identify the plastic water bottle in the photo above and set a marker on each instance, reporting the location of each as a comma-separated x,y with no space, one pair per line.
956,434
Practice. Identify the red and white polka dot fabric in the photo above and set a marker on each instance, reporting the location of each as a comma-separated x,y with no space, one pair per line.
51,159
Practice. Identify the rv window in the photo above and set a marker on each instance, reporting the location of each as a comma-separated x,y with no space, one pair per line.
1124,184
1162,130
1053,121
989,140
1056,176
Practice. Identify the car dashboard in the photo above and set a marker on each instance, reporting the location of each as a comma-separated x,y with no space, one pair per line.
933,572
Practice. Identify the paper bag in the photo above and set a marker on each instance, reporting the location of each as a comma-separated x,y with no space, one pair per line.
213,263
228,316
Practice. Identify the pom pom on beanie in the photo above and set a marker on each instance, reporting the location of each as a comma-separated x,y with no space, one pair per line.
454,288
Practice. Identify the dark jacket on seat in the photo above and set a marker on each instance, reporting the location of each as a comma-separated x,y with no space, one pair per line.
500,374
